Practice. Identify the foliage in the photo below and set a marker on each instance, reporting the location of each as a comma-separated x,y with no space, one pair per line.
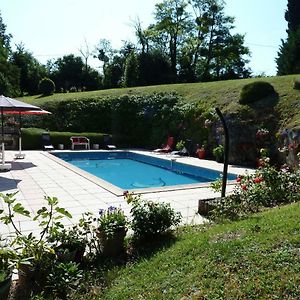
150,219
180,145
33,249
266,187
218,152
63,278
288,60
46,86
296,85
7,258
291,15
31,138
131,70
255,91
111,221
255,258
31,71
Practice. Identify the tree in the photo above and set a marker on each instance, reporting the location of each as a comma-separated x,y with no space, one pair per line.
31,71
86,53
104,52
154,68
215,52
9,74
68,72
292,15
172,23
288,60
131,73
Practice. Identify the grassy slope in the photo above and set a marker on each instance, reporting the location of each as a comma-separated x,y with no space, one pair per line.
257,258
225,94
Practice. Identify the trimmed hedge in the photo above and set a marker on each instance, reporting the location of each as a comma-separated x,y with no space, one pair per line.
255,91
141,121
32,138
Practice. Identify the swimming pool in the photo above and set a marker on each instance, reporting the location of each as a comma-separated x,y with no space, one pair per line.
134,171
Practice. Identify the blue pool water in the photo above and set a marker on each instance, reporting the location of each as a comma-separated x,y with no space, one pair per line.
129,170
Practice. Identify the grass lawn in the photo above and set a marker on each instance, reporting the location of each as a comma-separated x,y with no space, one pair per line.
257,258
224,94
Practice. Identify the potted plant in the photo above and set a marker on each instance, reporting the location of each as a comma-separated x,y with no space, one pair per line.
6,266
218,153
33,253
111,231
201,152
69,244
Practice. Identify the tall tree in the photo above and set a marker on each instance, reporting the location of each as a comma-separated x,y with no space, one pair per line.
68,72
172,24
216,53
292,15
288,60
31,71
9,74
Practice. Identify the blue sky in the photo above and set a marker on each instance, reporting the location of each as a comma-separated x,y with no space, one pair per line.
51,29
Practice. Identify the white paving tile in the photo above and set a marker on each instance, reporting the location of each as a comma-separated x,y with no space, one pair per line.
37,176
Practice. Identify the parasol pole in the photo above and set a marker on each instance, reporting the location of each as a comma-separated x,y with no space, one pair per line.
2,133
20,138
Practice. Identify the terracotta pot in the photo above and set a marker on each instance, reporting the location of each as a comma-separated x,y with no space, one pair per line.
112,246
201,153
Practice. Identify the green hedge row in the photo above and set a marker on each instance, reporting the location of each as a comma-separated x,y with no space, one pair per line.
137,120
32,138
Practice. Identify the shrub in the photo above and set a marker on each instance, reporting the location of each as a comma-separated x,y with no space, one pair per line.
46,86
296,84
255,91
267,187
149,218
31,138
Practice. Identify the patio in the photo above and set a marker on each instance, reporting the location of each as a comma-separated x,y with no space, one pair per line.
38,176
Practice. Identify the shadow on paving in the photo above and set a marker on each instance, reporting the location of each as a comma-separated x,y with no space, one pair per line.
18,165
8,184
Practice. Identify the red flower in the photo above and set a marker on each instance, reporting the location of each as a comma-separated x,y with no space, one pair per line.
257,180
244,187
239,178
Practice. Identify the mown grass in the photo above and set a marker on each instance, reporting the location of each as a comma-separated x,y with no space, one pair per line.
225,94
257,258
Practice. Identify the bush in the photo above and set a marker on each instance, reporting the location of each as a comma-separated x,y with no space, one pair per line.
255,91
267,187
32,138
46,86
296,84
150,218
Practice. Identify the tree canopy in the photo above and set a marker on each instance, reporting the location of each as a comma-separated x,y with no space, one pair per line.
288,60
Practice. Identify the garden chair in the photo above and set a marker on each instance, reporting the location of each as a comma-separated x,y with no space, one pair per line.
107,142
46,141
80,141
167,147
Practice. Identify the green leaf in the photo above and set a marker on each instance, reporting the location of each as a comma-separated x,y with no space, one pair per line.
63,212
19,209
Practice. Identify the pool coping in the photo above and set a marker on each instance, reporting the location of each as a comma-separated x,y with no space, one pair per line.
118,191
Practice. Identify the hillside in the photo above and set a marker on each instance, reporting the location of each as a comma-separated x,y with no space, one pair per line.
224,94
257,258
